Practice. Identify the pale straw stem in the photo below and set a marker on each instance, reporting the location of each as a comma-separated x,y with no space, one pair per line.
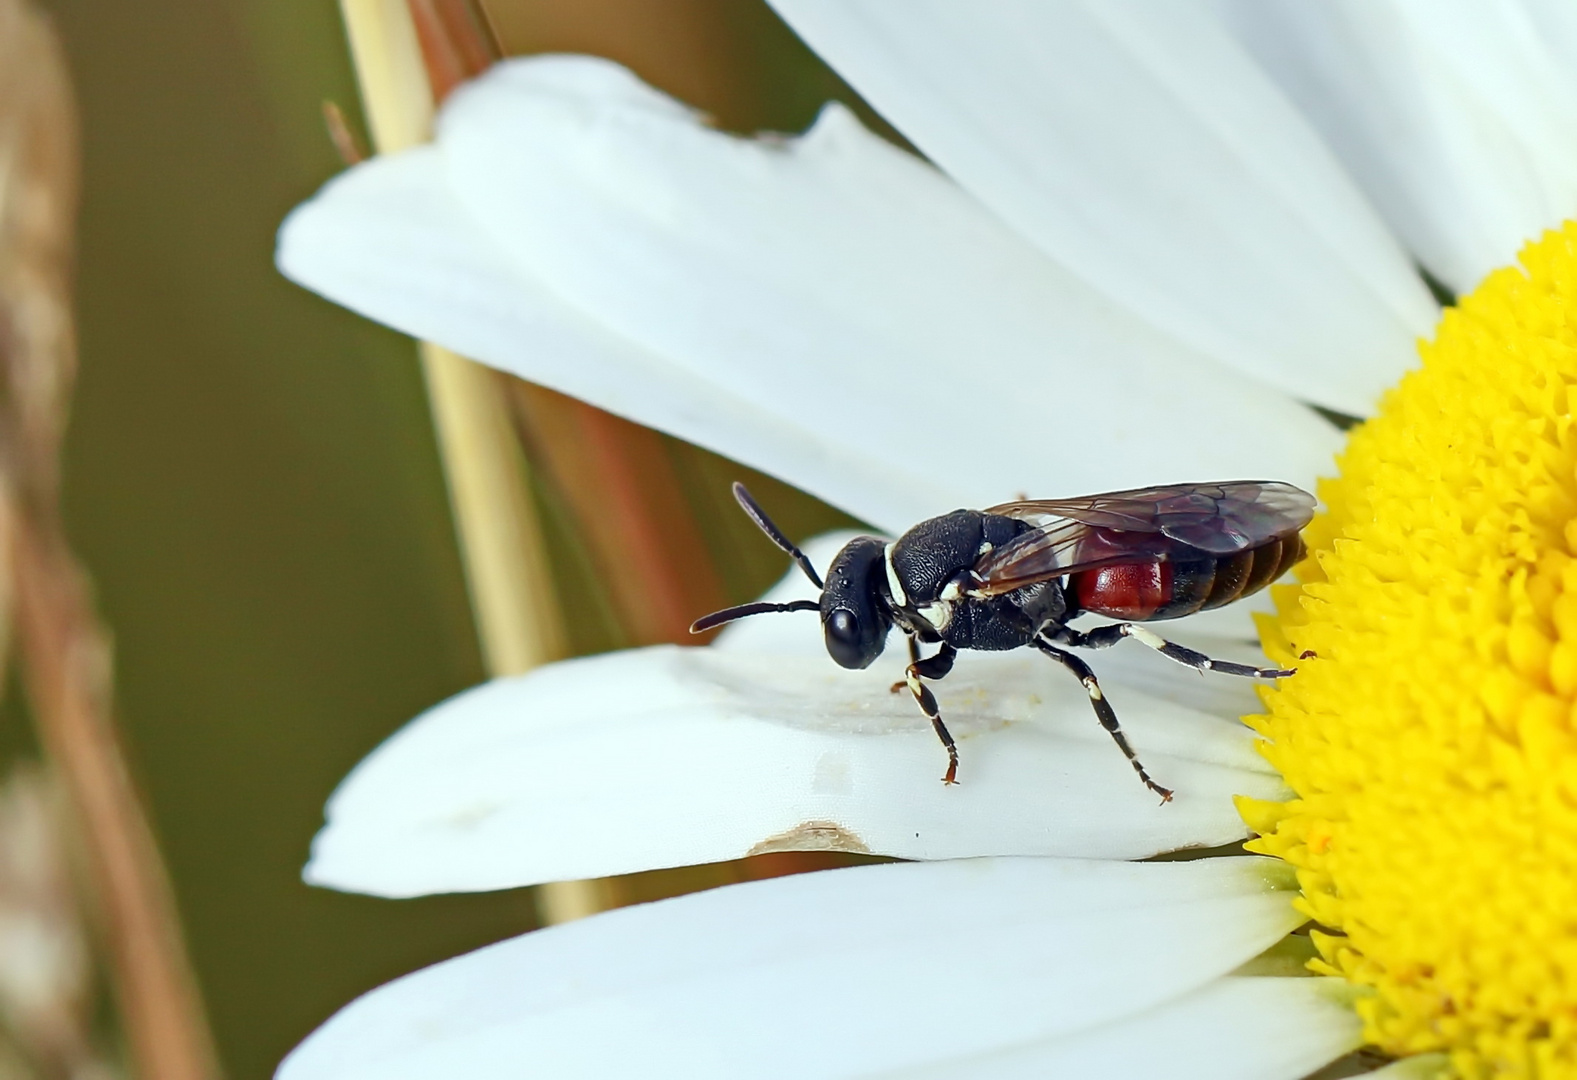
517,614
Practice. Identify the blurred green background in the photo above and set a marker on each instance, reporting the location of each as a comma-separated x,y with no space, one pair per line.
251,476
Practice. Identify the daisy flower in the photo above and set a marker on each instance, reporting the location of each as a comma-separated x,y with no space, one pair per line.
1147,238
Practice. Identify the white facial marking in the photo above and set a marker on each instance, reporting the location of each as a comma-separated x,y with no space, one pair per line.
938,614
894,586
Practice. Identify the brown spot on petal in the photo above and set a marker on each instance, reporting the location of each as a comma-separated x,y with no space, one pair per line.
471,816
812,836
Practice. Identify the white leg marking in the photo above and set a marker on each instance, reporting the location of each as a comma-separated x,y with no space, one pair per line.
938,614
1146,637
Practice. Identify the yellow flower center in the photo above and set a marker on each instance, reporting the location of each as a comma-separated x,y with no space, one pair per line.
1430,735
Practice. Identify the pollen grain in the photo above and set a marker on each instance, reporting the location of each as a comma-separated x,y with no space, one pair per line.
1430,734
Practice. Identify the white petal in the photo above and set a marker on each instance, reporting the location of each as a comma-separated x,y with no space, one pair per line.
1456,116
1417,1067
388,240
843,280
1135,144
1234,1028
669,757
901,352
835,974
1555,23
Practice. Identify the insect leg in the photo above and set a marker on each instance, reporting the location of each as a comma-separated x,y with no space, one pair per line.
1103,636
1103,711
914,658
933,667
937,666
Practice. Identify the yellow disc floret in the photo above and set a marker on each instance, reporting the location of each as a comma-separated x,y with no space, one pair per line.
1430,734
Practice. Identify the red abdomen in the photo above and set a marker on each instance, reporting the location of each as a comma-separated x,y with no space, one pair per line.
1133,591
1170,589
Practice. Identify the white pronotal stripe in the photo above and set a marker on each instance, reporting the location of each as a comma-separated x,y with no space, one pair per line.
1454,115
1134,143
835,974
1235,1028
894,582
670,757
816,278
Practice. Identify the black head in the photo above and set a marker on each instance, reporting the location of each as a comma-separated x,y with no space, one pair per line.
854,619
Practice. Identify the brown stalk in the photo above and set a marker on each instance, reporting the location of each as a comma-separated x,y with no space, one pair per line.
518,621
456,42
64,650
513,600
345,142
616,476
67,666
47,985
619,479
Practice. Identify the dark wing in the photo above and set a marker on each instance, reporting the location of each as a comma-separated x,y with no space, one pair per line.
1141,525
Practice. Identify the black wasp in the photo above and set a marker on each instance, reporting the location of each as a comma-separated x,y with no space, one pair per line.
1016,574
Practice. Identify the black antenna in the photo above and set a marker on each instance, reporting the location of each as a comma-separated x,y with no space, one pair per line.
764,523
760,607
753,509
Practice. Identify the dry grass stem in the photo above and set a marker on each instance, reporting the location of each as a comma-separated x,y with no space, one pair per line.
345,142
516,609
46,965
616,476
65,653
629,505
511,583
507,569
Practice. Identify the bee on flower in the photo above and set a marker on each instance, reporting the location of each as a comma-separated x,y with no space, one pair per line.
1148,244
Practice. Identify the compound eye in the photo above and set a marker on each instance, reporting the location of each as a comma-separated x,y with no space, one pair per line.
842,628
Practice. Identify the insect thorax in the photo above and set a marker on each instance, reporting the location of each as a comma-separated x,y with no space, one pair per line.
933,553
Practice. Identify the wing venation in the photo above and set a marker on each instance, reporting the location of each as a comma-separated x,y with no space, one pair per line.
1142,525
